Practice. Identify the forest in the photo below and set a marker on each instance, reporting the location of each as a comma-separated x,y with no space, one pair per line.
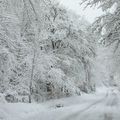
48,52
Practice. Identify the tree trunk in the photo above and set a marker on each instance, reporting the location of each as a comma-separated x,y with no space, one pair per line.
32,76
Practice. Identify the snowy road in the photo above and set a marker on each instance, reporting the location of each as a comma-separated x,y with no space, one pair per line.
102,109
103,105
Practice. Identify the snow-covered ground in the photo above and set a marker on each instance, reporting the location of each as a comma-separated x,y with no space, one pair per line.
103,105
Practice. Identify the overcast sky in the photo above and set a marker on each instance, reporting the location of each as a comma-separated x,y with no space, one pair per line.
90,13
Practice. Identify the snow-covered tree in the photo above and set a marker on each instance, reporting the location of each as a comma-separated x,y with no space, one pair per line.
46,51
108,26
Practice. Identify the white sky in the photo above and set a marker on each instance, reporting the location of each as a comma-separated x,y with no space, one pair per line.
89,13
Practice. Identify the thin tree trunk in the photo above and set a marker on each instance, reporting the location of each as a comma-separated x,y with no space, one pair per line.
32,76
87,75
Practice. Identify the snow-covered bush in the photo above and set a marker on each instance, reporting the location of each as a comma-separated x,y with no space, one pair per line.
2,98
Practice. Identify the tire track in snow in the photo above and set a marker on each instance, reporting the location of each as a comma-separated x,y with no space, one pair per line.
74,115
112,102
108,116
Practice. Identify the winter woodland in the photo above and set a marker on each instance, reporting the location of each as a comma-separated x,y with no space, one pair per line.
48,52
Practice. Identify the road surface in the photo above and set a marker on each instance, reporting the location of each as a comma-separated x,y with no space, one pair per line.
104,105
106,108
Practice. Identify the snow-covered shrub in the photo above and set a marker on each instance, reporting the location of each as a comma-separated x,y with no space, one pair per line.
2,98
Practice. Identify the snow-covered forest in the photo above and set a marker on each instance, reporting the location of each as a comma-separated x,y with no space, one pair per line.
51,57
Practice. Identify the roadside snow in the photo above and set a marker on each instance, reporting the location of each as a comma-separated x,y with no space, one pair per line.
19,111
